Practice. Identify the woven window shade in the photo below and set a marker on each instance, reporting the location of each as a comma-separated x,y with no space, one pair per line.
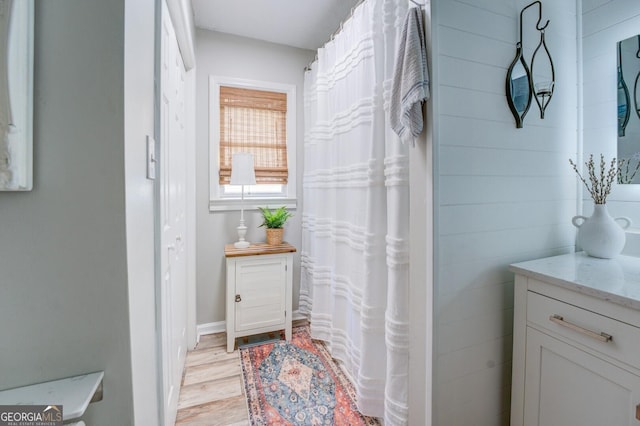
254,121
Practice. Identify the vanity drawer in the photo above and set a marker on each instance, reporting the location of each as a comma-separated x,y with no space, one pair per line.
608,336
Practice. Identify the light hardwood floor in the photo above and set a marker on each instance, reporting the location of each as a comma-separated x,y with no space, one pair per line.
212,391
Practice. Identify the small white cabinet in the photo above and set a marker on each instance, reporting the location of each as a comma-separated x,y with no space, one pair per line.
259,287
576,342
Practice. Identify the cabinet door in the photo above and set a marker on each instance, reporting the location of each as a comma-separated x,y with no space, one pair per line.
569,387
261,285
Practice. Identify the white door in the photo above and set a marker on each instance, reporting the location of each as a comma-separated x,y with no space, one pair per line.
565,386
172,181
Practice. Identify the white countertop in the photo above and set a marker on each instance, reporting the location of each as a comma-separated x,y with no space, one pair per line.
616,280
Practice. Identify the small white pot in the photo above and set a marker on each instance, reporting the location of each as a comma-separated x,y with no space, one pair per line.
600,235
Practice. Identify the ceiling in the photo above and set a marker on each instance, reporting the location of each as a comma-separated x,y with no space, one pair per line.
306,24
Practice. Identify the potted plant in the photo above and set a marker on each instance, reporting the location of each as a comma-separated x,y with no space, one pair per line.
274,220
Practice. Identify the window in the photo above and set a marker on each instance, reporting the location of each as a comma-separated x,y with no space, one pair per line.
255,117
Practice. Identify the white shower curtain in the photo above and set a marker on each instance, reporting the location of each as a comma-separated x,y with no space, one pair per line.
355,219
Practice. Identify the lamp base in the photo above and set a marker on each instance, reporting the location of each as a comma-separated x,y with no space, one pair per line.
242,231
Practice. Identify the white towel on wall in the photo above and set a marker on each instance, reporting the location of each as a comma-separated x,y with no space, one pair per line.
410,85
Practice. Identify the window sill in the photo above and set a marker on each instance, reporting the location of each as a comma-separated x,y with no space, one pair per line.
251,204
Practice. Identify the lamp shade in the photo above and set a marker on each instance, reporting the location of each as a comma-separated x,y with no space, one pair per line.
242,171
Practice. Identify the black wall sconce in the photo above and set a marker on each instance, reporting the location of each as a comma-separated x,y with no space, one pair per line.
636,86
623,97
522,82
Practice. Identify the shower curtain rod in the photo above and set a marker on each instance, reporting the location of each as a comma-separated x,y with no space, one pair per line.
337,31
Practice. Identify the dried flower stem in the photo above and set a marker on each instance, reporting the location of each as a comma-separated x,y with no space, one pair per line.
600,186
625,172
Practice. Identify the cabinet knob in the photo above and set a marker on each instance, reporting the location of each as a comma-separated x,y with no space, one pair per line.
238,298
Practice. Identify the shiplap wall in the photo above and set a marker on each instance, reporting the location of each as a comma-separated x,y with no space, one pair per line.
502,194
604,23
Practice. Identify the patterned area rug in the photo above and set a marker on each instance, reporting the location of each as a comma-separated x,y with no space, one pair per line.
298,383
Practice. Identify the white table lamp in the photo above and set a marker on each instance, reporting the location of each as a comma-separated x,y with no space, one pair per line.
242,173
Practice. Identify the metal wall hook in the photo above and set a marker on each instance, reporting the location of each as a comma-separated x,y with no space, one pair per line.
519,89
538,27
520,85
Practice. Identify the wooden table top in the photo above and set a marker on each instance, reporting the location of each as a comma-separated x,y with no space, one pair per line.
257,249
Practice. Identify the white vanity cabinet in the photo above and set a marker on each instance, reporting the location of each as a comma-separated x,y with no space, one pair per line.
259,287
576,342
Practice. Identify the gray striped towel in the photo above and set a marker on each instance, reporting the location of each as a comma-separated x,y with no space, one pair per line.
410,85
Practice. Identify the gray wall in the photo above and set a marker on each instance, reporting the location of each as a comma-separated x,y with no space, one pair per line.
502,194
604,23
63,291
238,57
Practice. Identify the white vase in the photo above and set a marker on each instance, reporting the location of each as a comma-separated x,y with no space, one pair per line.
600,235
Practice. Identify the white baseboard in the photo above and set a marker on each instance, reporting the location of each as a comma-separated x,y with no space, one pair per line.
211,328
221,326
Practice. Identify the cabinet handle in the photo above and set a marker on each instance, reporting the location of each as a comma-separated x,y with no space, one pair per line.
638,412
603,337
238,298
